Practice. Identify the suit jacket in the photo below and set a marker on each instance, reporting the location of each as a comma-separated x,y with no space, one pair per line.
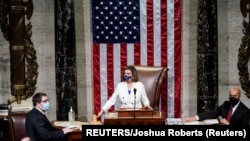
241,115
127,100
39,128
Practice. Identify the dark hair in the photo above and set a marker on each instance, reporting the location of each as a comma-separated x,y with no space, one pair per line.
134,72
37,98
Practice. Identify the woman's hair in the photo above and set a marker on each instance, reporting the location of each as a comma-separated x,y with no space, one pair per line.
37,98
134,73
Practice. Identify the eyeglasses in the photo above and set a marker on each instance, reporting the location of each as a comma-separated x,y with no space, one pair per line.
45,101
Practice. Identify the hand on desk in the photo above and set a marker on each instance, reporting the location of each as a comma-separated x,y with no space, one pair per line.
189,119
224,121
148,107
67,130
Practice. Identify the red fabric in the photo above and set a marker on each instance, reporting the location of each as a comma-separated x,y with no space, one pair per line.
177,57
96,71
164,44
110,68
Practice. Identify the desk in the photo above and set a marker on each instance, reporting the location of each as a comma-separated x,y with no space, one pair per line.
76,135
178,121
112,118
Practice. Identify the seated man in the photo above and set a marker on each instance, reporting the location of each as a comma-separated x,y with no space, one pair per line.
232,112
38,127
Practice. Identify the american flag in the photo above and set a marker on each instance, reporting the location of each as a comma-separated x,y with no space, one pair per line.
136,32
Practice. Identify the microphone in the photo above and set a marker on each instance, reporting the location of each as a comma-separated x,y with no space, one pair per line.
135,91
134,100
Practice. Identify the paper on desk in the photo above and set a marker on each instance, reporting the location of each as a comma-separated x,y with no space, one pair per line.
192,123
211,121
75,124
204,122
61,123
173,121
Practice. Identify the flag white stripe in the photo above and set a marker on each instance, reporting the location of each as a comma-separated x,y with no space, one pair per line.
170,30
157,32
130,54
117,63
117,66
103,73
143,32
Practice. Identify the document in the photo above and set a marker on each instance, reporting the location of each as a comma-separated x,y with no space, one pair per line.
72,125
178,121
204,122
211,121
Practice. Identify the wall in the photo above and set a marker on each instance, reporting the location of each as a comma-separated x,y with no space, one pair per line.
230,34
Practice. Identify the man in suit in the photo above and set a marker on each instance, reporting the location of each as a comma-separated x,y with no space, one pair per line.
240,113
38,127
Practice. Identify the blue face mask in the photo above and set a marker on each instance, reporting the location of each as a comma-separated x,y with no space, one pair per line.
46,106
126,77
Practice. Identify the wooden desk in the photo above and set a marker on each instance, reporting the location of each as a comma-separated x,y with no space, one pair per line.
74,136
158,118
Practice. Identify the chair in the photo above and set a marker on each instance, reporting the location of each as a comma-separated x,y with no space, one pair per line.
152,78
17,129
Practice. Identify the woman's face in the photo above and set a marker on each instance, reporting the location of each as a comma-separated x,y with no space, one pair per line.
127,72
127,75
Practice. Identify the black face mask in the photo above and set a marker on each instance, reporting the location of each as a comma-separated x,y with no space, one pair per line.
233,101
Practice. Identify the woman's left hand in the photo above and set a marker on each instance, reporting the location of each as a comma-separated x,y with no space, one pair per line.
148,107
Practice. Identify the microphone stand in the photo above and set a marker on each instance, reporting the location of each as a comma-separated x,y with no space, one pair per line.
134,101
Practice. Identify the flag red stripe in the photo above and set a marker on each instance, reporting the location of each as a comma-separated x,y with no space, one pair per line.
177,54
110,71
164,56
137,54
96,78
123,55
150,33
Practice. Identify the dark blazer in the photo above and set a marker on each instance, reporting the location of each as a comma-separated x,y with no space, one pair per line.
241,115
39,128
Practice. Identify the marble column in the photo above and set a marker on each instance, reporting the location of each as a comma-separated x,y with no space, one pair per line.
65,58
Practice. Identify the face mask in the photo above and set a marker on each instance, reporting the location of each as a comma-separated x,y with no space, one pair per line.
126,77
46,106
233,100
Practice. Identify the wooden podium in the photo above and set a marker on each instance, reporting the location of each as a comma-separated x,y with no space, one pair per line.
135,117
135,113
